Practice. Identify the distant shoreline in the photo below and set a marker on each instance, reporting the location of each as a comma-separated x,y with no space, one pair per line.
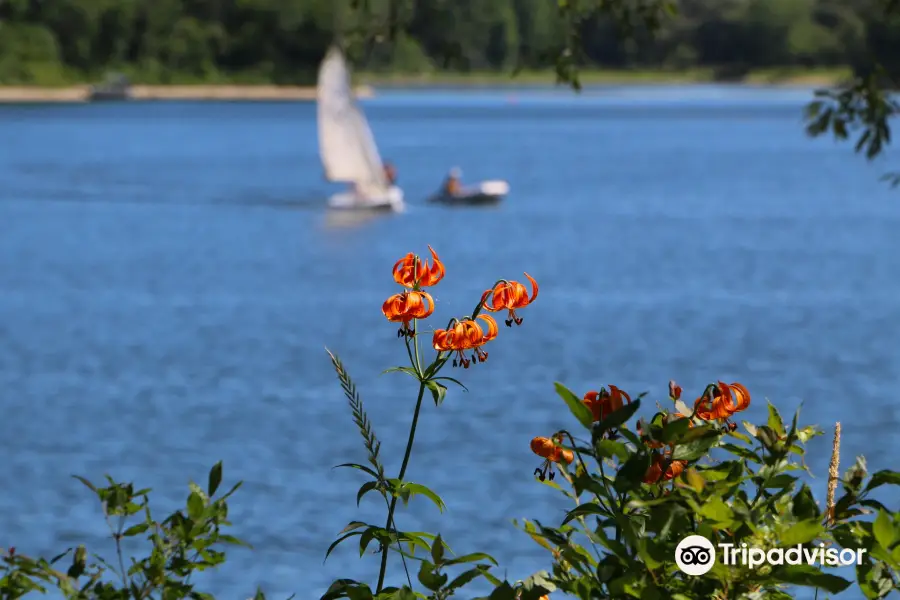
780,77
81,93
369,81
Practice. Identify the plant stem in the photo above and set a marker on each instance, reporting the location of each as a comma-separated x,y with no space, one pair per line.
393,506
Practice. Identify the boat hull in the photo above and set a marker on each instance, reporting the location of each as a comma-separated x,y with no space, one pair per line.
485,193
392,200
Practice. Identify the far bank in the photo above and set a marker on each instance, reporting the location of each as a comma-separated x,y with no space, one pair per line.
368,82
787,77
82,93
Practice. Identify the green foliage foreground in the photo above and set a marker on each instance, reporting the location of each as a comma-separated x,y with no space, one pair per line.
637,486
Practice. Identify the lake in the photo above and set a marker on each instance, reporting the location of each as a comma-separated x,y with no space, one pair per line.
170,279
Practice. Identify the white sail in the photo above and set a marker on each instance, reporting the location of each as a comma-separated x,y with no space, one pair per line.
346,144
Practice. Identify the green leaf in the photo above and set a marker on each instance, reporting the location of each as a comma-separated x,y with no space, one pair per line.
539,583
357,466
802,532
700,431
804,504
59,557
365,489
631,474
675,430
230,539
883,530
413,489
233,489
767,436
696,448
809,576
403,593
136,530
415,540
430,578
469,558
215,478
86,483
742,452
504,591
438,391
347,588
584,510
371,533
408,370
466,577
716,510
437,550
616,418
337,542
452,380
195,506
576,406
884,477
775,422
607,449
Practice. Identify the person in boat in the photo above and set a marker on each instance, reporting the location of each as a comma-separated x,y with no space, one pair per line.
390,173
452,185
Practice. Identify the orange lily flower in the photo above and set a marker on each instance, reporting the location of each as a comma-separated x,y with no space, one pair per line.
412,272
658,470
511,296
552,452
603,403
406,306
466,335
724,401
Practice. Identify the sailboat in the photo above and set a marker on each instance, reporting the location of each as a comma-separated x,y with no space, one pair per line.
346,143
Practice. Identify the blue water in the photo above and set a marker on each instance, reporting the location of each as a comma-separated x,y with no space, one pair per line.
169,280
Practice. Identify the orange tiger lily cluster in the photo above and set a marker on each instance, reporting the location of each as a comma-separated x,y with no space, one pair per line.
722,402
510,296
466,335
552,452
604,403
462,335
406,306
413,274
718,404
663,468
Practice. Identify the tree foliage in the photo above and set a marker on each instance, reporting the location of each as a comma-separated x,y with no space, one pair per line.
159,41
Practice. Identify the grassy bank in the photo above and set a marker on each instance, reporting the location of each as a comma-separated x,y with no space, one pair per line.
786,76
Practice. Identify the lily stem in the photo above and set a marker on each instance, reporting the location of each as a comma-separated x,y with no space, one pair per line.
404,464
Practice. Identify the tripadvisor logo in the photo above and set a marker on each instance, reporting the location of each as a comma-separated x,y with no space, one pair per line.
695,555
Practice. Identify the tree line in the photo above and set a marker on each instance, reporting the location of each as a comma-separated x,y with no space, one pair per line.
282,41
